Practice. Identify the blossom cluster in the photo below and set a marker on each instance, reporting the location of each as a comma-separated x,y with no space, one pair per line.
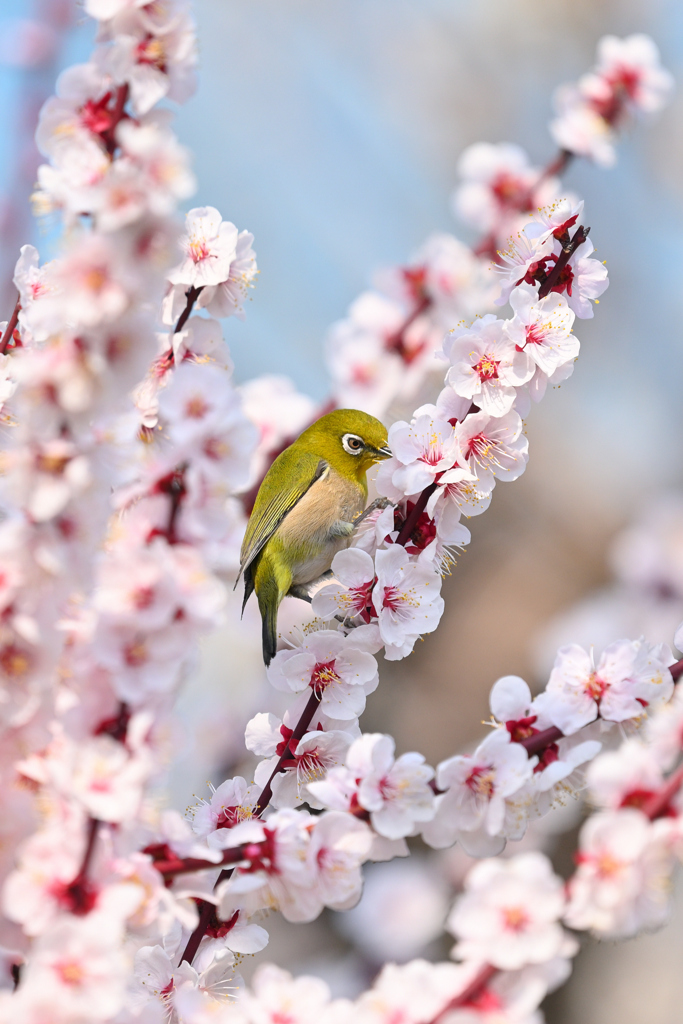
628,80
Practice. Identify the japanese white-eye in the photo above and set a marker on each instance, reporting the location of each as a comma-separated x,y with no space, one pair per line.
306,510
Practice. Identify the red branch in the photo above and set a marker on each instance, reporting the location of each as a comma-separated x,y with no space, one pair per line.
192,294
537,743
658,804
118,110
300,730
468,994
9,330
568,250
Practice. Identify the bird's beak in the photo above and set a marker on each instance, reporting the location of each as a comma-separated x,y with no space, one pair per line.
385,452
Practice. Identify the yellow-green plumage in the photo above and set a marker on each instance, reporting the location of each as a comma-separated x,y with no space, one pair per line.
305,508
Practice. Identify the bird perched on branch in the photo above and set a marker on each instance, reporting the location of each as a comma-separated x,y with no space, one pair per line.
308,506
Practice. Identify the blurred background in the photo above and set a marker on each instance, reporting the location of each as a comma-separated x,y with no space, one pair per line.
332,132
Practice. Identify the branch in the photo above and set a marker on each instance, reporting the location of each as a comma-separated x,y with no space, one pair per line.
192,294
537,743
479,982
563,259
9,330
300,729
658,803
117,113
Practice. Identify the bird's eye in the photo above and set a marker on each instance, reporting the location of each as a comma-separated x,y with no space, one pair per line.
353,444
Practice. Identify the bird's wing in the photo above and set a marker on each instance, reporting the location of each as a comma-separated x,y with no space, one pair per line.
274,500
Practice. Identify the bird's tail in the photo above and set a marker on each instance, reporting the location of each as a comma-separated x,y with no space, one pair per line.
269,600
269,632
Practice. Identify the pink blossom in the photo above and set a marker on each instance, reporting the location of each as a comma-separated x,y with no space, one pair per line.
308,761
629,677
230,804
509,913
329,664
352,595
486,367
492,447
622,882
395,791
406,599
209,247
626,777
498,186
477,787
277,996
543,328
423,449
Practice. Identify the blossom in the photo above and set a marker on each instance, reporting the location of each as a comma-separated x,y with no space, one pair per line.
627,78
154,51
352,595
492,447
423,449
497,186
307,760
555,775
632,68
542,327
630,676
277,996
395,791
406,599
416,992
623,879
365,369
209,248
77,969
485,365
521,260
508,915
477,786
306,863
232,802
627,777
332,667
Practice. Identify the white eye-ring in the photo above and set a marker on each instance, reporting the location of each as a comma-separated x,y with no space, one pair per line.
353,444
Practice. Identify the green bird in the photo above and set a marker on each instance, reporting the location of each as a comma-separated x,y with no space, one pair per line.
308,506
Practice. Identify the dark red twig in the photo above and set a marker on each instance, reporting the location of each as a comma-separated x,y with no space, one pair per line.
658,803
9,330
300,730
537,743
117,113
568,250
192,294
479,982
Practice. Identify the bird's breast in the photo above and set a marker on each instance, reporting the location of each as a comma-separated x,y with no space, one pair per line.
305,532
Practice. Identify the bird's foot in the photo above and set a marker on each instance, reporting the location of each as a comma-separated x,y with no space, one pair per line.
380,503
302,590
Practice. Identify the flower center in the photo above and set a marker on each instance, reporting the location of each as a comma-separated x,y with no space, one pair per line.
595,687
198,249
481,781
70,971
196,407
323,675
487,367
515,918
231,816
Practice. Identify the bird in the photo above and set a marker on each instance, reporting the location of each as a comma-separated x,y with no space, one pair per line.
308,507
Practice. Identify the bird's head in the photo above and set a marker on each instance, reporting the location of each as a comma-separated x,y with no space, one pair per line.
350,440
